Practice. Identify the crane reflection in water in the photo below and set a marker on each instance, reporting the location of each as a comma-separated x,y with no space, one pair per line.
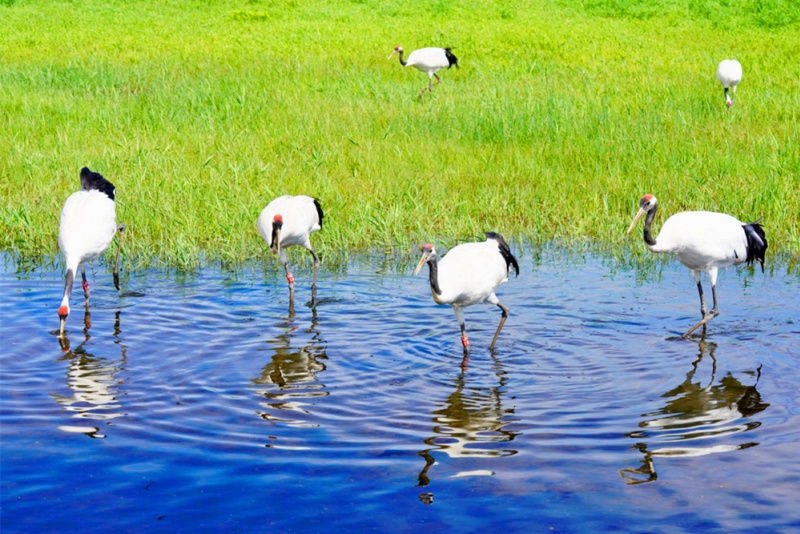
471,423
694,412
290,377
93,381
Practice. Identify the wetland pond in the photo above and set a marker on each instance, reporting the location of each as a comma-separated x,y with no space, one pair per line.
195,402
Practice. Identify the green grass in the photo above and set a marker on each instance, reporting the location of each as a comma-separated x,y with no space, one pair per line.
562,116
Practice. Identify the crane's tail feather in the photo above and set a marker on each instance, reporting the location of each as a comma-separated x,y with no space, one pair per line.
756,243
319,211
505,250
451,59
94,180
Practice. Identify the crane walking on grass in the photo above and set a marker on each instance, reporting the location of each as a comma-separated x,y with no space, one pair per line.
290,220
469,274
428,60
729,74
88,224
703,241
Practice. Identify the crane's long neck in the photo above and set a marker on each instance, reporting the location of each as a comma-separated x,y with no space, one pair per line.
402,61
69,279
648,237
433,266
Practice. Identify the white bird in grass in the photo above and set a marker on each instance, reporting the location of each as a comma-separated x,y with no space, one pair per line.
469,274
290,220
704,241
88,224
729,74
428,60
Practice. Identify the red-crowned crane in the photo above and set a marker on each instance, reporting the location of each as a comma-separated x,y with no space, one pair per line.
469,274
729,74
88,224
428,60
703,241
290,220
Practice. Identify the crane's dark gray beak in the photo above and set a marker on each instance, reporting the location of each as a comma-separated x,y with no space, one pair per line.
63,322
639,214
426,254
276,239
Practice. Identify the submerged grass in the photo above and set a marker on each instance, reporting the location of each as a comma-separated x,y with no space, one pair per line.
562,116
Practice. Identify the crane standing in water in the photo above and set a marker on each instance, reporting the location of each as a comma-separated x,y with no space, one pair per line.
703,241
88,224
469,274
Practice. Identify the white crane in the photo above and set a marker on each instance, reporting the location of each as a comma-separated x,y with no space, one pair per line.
88,224
703,241
469,274
428,60
290,220
729,74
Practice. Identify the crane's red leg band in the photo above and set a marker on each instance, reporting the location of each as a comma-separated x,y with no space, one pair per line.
290,278
86,286
465,341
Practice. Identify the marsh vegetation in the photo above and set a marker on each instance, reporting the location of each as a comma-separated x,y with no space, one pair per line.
561,116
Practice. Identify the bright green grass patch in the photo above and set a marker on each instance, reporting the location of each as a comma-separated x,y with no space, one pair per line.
562,116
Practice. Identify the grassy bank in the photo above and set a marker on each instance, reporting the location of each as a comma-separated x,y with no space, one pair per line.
562,116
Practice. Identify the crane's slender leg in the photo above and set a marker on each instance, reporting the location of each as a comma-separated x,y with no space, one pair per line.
712,275
290,279
715,310
703,307
314,283
120,229
85,285
502,322
462,323
438,80
430,85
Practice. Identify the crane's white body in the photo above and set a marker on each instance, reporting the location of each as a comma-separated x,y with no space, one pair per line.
703,241
729,74
428,60
300,220
88,224
470,273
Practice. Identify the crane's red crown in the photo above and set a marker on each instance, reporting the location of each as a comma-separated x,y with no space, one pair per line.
647,197
278,219
63,310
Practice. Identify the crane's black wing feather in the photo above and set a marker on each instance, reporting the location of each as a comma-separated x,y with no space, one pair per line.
95,181
505,251
319,211
756,243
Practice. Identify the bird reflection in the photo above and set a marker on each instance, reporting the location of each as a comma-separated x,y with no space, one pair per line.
291,375
697,410
93,381
471,424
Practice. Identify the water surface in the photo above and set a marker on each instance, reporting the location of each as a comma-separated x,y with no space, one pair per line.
196,402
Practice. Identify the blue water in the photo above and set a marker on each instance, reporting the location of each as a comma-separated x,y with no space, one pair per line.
195,402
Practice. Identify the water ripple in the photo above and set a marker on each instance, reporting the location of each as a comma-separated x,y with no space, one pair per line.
212,398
